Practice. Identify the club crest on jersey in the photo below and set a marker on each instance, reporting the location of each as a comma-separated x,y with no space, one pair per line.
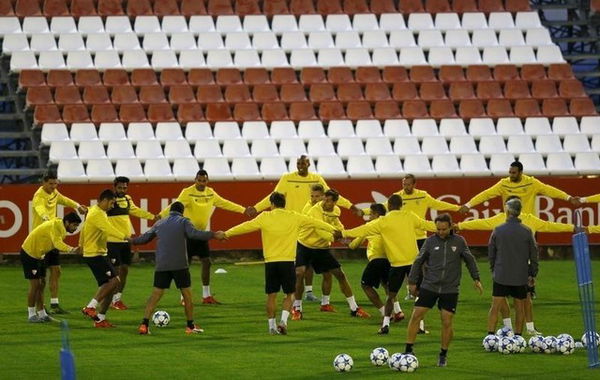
436,248
108,273
34,271
113,260
453,248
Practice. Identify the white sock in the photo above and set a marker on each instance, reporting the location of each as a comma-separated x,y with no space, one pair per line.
272,324
386,321
298,305
382,310
422,324
31,311
397,308
325,300
101,317
205,291
117,297
93,303
530,326
53,301
308,288
352,303
507,323
42,313
284,317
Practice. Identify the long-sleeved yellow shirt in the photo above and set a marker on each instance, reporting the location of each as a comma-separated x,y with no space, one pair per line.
46,237
534,223
279,232
527,189
118,216
593,199
594,229
398,232
297,191
375,248
312,237
96,231
44,205
199,205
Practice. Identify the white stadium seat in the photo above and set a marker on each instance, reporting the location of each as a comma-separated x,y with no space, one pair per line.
331,167
99,42
264,148
62,150
140,132
368,128
146,24
100,170
272,167
473,20
283,129
83,132
406,145
201,24
396,128
226,24
560,164
452,127
174,24
90,24
391,21
533,163
71,171
482,127
360,167
338,23
157,170
339,129
217,168
509,126
311,23
462,145
117,24
500,162
131,168
111,132
445,165
310,128
388,166
235,148
177,149
424,127
320,147
565,125
548,144
185,169
167,131
537,126
576,143
54,132
364,22
42,42
245,168
587,163
473,165
91,150
420,21
377,146
207,148
418,165
118,150
284,23
520,144
434,145
197,130
492,144
349,146
292,148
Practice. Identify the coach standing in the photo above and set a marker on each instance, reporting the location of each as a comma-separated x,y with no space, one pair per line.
513,259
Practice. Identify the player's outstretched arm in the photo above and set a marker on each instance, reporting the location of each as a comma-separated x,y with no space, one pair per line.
146,237
246,227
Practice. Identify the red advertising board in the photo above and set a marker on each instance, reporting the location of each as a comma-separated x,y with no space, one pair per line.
15,207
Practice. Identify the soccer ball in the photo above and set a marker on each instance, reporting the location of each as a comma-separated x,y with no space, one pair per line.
550,343
505,332
584,339
565,346
519,344
408,363
161,318
566,337
394,361
379,356
536,343
505,345
490,343
343,363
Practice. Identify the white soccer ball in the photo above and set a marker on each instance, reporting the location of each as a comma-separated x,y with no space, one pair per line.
584,339
161,318
550,343
566,337
379,356
536,343
394,361
490,343
505,345
408,363
519,344
505,332
565,346
343,363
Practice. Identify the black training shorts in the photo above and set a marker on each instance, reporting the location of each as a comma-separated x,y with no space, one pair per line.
198,248
376,272
280,275
445,301
518,292
101,267
162,279
52,258
321,259
396,277
119,253
32,268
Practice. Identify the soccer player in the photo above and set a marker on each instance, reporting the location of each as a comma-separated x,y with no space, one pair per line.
92,241
591,199
521,185
398,233
199,201
377,270
46,237
313,249
119,252
442,254
44,204
317,193
279,232
172,262
513,257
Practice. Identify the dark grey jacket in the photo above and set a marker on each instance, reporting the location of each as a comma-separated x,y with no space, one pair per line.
443,259
172,232
512,253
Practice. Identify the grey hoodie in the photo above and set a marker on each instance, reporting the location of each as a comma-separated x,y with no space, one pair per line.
444,264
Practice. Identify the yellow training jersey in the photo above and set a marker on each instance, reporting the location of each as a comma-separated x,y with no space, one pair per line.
594,229
297,191
375,248
398,232
96,231
199,205
314,237
593,199
46,237
527,189
44,205
279,231
118,216
534,223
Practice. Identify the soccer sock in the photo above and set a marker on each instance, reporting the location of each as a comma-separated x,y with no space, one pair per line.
145,322
530,326
397,308
422,325
31,311
272,324
53,301
190,324
284,317
325,300
117,297
382,311
308,288
352,303
443,352
101,317
491,333
42,313
409,347
386,321
93,303
205,291
507,323
298,305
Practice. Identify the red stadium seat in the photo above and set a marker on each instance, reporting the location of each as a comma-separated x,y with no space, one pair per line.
340,75
462,6
6,9
533,71
489,90
275,7
27,8
256,75
181,94
499,108
517,5
228,76
432,91
471,108
582,107
414,109
166,8
560,71
192,8
283,75
124,95
488,6
131,113
274,111
387,109
543,88
189,112
382,6
152,95
55,8
67,95
96,95
302,111
394,74
571,88
367,75
31,78
237,93
359,110
104,113
437,6
219,7
292,93
479,73
198,77
110,8
516,89
81,8
449,74
527,108
554,108
440,109
57,78
352,7
265,93
310,75
218,112
38,95
209,94
172,77
87,77
160,113
405,91
422,74
75,113
411,6
246,112
327,7
331,111
47,113
461,91
247,7
301,7
349,92
377,91
139,8
503,73
321,92
115,77
143,77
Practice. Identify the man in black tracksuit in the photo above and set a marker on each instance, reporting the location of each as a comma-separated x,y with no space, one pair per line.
442,254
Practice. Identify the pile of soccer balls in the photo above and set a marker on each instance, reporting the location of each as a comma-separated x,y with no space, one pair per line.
505,342
380,357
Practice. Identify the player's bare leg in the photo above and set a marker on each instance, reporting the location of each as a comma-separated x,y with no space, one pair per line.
529,316
326,286
519,315
297,306
123,271
447,334
505,313
309,275
54,281
413,325
207,297
286,306
388,311
153,300
271,310
373,296
497,304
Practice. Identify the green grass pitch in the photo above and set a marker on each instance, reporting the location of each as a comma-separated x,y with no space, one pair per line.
236,344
